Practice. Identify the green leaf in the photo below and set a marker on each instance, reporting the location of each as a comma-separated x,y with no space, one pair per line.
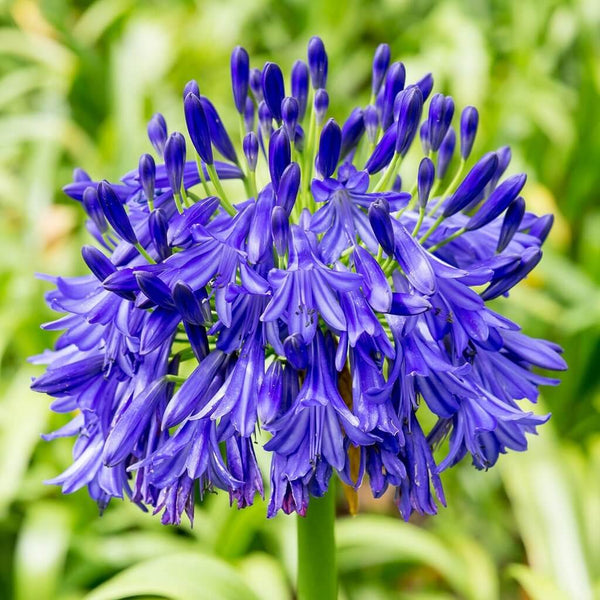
183,576
536,585
265,576
370,540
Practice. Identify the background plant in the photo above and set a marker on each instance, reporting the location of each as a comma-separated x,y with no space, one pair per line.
78,82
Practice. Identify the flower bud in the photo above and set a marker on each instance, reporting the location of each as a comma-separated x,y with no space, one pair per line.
249,115
299,139
273,88
157,132
280,229
147,175
288,187
265,120
410,107
424,135
498,201
317,62
157,226
321,104
79,175
383,153
468,129
240,77
218,134
197,125
476,179
256,84
330,145
115,212
97,262
446,152
279,155
289,114
300,86
191,87
250,145
371,119
381,62
541,227
92,207
425,181
394,83
425,84
441,111
510,224
379,217
295,351
187,304
352,131
175,159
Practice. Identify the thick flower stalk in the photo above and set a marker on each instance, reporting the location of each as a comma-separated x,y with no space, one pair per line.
305,282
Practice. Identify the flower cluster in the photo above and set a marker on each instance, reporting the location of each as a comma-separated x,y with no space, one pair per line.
315,296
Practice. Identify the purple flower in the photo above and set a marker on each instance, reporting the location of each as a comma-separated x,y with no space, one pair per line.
312,300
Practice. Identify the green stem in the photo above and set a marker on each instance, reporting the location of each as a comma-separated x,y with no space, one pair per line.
214,178
317,571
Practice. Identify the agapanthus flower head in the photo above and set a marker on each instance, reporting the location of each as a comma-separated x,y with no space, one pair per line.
314,300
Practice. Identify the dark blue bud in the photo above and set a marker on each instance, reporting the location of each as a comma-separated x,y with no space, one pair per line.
477,178
157,227
289,114
155,289
147,175
425,84
381,62
115,212
317,62
409,114
249,115
510,224
280,229
240,77
424,135
498,202
92,207
321,104
273,88
97,262
250,145
300,86
187,303
504,155
288,187
256,84
469,120
265,120
529,260
330,145
197,125
383,153
279,155
541,227
446,152
299,139
352,131
123,283
79,175
381,222
394,83
295,351
397,184
191,87
218,134
157,132
425,180
371,119
175,160
441,111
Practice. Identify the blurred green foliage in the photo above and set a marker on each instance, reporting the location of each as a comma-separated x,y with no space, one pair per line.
78,82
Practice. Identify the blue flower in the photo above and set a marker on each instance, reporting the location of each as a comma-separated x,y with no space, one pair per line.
311,299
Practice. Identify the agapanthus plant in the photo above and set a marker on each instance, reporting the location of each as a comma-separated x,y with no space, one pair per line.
325,295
